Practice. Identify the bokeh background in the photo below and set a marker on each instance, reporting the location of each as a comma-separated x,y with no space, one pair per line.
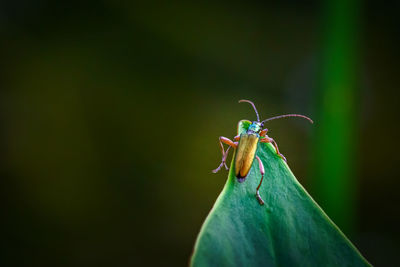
110,113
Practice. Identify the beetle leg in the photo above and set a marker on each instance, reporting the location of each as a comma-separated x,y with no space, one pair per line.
270,140
262,171
224,140
236,138
264,132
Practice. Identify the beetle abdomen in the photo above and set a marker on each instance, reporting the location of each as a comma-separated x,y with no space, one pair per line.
245,153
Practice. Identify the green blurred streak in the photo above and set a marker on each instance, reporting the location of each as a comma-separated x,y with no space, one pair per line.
335,177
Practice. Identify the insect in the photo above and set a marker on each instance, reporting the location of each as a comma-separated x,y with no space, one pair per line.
246,146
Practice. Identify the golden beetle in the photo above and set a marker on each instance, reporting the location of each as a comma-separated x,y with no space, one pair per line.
246,146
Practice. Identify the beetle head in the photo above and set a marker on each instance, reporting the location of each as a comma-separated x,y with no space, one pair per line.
256,127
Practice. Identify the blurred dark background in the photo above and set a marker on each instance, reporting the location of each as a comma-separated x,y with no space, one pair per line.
110,114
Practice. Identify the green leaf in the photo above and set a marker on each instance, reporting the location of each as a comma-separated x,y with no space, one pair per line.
289,230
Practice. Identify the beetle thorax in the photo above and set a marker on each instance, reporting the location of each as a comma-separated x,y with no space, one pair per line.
255,127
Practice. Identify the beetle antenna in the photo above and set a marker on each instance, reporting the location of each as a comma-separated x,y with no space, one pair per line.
248,101
288,115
